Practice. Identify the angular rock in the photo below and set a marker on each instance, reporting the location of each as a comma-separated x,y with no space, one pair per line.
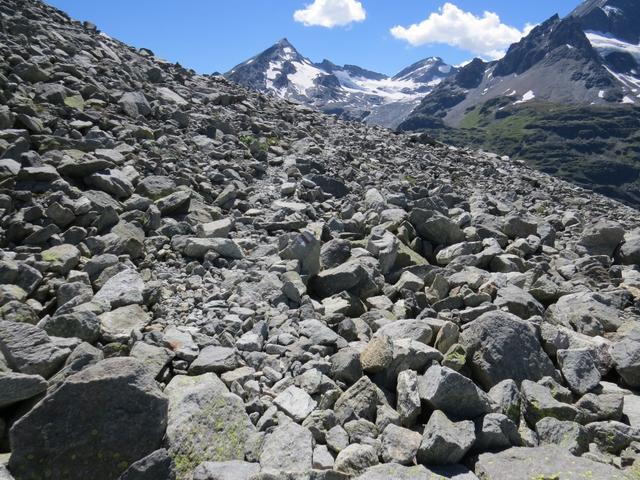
113,408
15,387
435,227
289,448
445,442
355,459
538,403
28,349
567,435
447,390
296,403
400,445
117,325
205,423
124,288
579,369
490,342
215,359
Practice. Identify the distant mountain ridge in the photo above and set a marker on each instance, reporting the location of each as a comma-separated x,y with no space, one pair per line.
348,91
565,98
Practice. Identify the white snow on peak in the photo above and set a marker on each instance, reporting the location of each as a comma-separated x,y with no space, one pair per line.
444,68
606,44
628,100
304,77
609,10
526,97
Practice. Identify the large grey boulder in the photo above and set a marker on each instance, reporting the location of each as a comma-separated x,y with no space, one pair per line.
585,313
435,227
134,104
566,434
205,423
346,277
601,238
305,248
289,448
579,369
520,463
445,442
356,459
28,349
95,425
359,401
626,358
490,342
124,288
400,445
629,253
296,403
117,325
538,403
215,359
445,389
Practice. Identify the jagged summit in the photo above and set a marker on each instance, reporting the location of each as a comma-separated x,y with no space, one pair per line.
348,90
584,68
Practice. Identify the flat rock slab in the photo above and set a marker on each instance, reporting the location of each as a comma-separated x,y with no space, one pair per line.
542,462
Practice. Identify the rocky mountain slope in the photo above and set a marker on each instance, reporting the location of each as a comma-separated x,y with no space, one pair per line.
347,91
566,98
199,282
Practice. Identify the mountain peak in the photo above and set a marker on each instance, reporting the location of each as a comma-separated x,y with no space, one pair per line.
284,42
619,18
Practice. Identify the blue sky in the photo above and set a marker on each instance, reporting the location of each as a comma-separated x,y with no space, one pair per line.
215,35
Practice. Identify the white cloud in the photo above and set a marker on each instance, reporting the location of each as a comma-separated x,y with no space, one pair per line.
485,36
331,13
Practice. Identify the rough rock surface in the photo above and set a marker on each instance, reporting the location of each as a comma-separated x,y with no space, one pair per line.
315,298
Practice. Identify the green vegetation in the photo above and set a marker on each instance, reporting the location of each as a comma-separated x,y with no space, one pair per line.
596,147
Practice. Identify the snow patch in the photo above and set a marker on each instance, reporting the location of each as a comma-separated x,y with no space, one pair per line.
611,11
526,97
606,44
628,100
304,77
444,68
601,94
